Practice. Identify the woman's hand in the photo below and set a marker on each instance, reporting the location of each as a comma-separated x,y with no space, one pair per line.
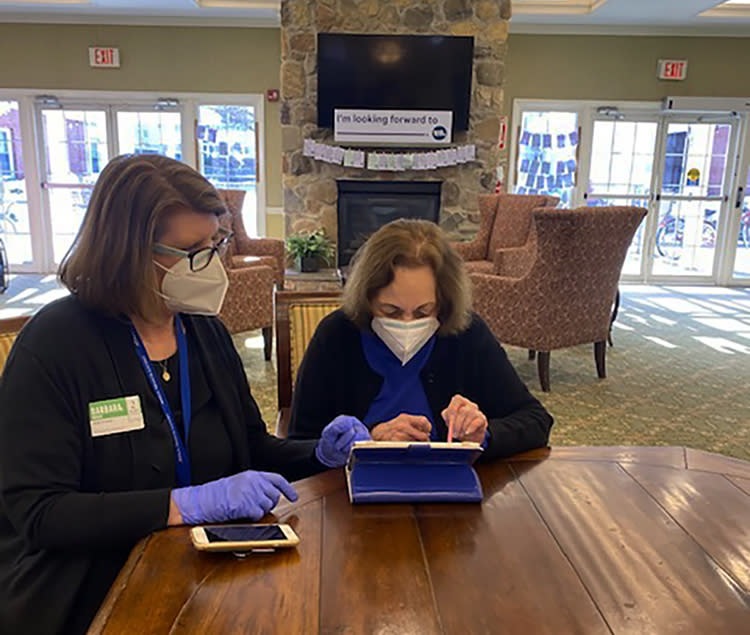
467,420
249,494
337,439
403,428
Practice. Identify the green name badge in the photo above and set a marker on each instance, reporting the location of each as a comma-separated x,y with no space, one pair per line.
113,416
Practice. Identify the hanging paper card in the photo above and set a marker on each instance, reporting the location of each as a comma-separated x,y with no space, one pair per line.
560,167
547,140
371,162
534,167
472,152
536,140
452,155
307,148
571,165
520,190
349,158
561,141
359,158
546,166
525,136
573,138
525,165
540,182
550,182
559,182
530,180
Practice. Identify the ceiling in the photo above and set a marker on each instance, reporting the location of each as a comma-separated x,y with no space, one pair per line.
638,16
669,17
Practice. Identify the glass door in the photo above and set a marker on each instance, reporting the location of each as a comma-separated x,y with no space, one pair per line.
696,165
227,147
546,157
149,131
15,228
739,227
621,172
75,144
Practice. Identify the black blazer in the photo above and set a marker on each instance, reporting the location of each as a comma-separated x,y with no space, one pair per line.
335,378
72,506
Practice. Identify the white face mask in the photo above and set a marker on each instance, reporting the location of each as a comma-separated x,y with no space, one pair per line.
405,339
200,292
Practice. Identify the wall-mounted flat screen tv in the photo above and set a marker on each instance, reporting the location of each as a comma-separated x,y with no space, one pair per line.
400,72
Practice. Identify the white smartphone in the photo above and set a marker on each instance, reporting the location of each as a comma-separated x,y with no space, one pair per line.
242,537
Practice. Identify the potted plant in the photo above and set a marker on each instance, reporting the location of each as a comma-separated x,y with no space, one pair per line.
309,249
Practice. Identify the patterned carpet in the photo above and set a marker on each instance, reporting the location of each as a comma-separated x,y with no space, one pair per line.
677,375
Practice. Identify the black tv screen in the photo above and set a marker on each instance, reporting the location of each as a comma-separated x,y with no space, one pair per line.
402,72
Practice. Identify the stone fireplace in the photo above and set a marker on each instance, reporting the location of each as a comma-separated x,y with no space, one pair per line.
365,206
311,188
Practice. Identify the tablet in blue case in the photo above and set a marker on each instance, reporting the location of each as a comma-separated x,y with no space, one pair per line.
409,472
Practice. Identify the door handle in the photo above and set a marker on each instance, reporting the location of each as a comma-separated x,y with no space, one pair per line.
740,192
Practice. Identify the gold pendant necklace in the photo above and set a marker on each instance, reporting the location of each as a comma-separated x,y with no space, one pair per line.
165,371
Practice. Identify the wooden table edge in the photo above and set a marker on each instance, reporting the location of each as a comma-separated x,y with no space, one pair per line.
118,586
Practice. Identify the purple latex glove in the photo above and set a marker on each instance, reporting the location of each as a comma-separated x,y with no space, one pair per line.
248,494
337,439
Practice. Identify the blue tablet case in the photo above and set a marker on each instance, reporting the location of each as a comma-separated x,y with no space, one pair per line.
406,472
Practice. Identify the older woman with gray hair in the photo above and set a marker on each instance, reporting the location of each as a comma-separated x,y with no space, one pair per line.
408,358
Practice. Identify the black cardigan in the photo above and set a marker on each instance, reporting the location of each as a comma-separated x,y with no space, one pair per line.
335,378
72,506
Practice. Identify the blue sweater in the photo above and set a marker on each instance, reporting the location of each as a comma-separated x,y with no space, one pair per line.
402,390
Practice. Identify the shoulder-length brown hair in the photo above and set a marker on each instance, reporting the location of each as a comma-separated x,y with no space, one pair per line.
409,243
109,266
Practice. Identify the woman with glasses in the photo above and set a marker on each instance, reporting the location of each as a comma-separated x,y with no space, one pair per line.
124,407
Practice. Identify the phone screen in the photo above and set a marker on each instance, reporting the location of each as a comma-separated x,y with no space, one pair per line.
245,533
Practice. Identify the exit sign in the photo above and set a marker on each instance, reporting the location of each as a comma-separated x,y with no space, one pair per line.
104,57
673,69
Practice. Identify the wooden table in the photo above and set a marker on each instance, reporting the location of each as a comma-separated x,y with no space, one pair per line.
572,540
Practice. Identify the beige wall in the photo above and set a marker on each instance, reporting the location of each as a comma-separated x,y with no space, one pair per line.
245,60
622,68
153,58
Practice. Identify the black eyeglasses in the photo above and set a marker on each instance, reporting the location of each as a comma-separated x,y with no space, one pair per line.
199,258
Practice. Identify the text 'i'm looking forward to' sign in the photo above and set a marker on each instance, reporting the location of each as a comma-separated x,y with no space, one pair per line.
393,127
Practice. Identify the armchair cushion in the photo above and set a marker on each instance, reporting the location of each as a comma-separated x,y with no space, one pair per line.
480,266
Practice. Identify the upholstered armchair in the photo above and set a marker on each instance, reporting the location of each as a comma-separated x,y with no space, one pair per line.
298,314
505,220
244,250
248,304
557,289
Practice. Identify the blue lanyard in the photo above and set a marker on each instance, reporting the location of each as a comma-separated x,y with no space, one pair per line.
182,458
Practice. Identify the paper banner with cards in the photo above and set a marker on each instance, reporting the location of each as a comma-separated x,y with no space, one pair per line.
389,161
